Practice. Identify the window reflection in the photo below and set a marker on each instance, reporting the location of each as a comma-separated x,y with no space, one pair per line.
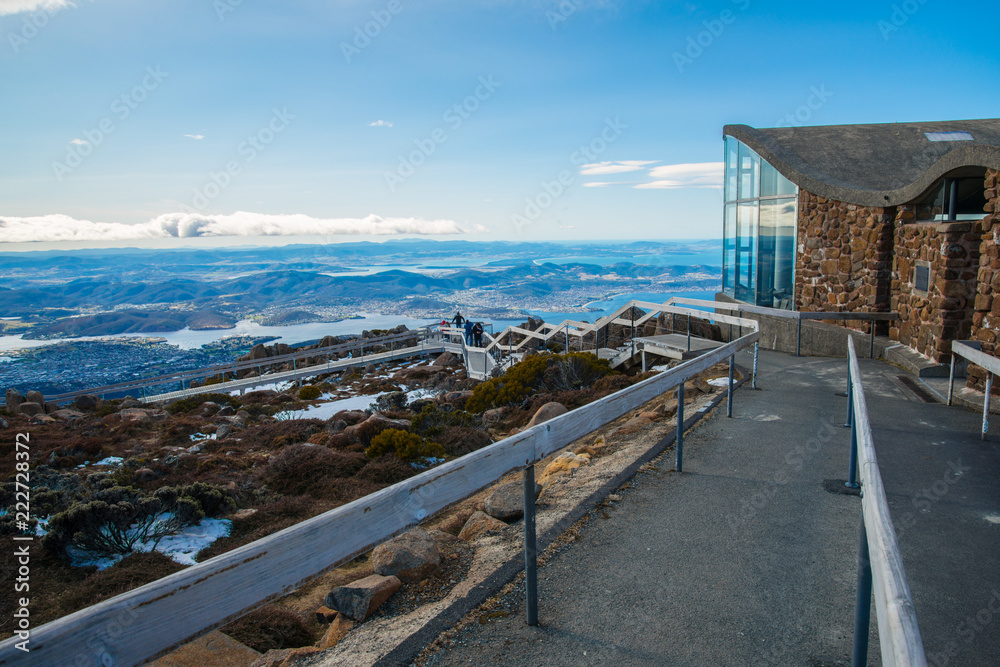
758,230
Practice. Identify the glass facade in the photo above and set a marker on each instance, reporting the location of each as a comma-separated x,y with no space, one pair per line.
759,223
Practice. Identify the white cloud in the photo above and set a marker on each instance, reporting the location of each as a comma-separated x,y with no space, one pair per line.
79,142
380,123
613,167
196,137
17,6
695,175
58,227
598,184
567,226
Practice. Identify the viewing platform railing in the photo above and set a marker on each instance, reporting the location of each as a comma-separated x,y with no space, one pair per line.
880,565
148,622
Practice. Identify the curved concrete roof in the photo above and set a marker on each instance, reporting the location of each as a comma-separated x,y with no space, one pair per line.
872,165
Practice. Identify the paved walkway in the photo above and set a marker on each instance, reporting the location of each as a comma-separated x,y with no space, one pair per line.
747,559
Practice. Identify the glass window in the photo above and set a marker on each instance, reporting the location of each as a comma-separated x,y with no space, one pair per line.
729,252
758,263
772,183
953,199
732,167
749,173
746,255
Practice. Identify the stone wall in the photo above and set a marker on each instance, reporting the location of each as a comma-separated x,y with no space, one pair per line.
929,322
844,255
986,318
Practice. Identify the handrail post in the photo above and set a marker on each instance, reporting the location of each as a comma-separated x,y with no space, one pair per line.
756,352
850,389
871,345
729,399
689,332
680,427
986,404
951,378
863,601
798,338
530,548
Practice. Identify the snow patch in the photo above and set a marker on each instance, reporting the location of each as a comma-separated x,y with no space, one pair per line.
110,461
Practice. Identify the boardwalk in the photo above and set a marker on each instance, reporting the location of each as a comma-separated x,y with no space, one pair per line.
748,559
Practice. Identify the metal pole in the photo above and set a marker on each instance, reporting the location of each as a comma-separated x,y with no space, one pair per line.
680,427
644,360
850,387
530,549
689,332
862,602
798,338
756,353
871,344
951,379
729,399
986,404
852,473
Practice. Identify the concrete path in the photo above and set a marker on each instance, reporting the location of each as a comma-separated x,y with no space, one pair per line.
748,559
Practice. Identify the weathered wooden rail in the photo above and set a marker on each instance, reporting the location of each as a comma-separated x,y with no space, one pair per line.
969,349
143,624
880,564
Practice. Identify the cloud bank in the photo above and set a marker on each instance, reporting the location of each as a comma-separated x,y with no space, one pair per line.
18,6
57,227
613,167
694,175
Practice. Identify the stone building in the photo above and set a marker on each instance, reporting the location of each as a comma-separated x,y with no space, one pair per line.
898,217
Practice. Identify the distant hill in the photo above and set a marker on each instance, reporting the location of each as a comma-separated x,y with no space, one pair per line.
132,321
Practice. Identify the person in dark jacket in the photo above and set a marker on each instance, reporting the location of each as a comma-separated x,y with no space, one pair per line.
468,332
477,334
458,320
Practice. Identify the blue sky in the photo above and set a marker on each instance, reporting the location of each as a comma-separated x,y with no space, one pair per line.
230,119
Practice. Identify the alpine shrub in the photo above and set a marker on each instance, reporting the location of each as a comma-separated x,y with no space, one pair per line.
407,446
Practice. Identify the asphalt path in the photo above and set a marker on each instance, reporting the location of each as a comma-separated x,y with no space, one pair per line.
748,557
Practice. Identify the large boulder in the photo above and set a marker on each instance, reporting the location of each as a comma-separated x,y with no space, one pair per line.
507,501
14,399
446,359
338,629
413,555
480,524
360,599
134,415
67,415
547,412
30,408
35,397
86,402
209,650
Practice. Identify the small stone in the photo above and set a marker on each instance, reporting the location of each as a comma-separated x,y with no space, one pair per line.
562,466
225,411
134,415
67,415
273,658
296,654
245,513
507,501
42,419
360,599
325,615
143,475
87,402
480,524
413,555
223,431
3,423
446,359
339,627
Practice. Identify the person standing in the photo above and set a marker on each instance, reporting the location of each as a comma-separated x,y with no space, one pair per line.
468,332
458,319
477,333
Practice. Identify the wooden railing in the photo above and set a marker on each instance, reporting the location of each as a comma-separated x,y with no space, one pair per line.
969,349
148,622
880,564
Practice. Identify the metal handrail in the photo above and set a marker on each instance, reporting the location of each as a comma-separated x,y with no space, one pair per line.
880,564
970,350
